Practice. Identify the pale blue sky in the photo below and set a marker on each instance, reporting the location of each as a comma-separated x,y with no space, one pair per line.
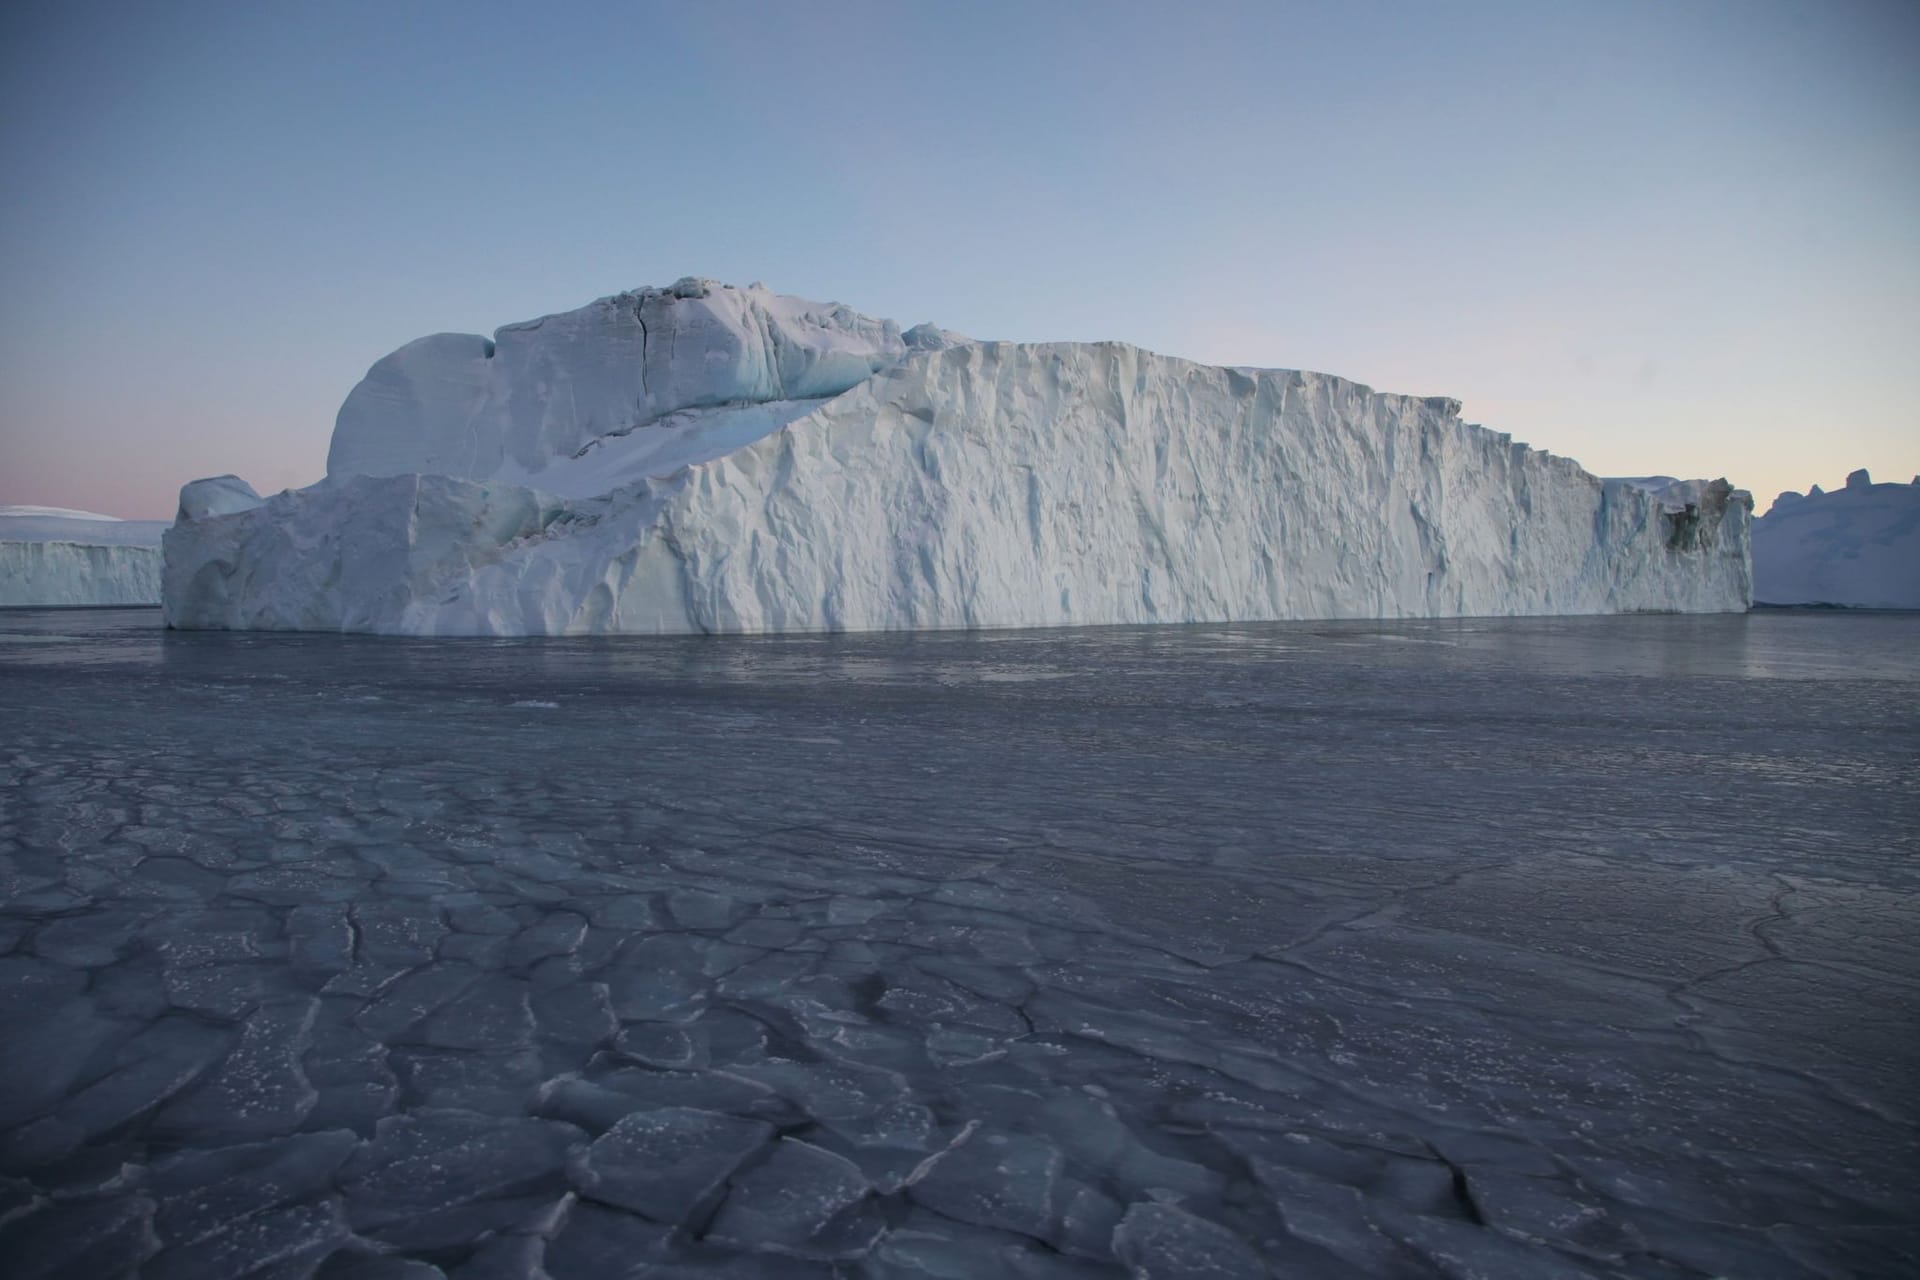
1678,237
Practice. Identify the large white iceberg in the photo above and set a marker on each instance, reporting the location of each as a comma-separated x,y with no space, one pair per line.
710,459
56,556
1858,546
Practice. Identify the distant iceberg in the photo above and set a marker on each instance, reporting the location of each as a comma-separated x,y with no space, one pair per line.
55,556
1858,546
703,458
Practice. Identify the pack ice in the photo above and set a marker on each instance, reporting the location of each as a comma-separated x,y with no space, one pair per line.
703,458
52,556
1858,546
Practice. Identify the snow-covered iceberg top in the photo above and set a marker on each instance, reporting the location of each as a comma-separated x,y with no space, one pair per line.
539,393
1858,546
216,496
702,459
24,523
56,556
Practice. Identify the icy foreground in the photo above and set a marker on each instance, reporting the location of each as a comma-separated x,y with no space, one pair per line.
1345,951
710,459
1858,546
54,556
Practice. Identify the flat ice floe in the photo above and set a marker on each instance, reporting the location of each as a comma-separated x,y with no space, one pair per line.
1264,950
710,459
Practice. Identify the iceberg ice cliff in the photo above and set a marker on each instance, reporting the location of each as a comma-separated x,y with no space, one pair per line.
1858,546
708,459
54,556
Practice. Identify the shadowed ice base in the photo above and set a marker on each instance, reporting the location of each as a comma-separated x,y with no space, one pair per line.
1523,948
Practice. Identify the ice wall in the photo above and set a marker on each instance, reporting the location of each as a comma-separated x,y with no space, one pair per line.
990,484
54,556
1858,546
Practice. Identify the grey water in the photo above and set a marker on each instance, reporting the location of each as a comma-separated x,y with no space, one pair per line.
1519,948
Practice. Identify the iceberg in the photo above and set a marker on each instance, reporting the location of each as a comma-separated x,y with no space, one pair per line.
1858,546
56,556
706,459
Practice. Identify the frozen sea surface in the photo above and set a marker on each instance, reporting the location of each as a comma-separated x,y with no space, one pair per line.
1531,948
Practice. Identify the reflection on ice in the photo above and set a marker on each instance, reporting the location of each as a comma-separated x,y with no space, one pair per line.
1534,948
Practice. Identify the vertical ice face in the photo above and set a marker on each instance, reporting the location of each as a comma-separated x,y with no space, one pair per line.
53,556
1006,484
701,458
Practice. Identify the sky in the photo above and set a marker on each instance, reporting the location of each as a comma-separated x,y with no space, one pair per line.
1658,238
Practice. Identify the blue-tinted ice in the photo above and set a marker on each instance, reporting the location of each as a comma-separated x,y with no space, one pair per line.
1524,948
